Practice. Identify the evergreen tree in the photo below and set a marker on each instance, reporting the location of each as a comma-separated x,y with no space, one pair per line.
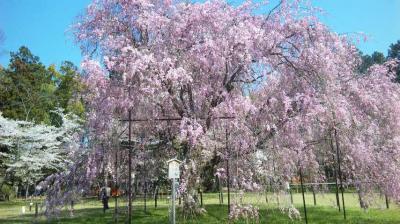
394,52
29,91
27,88
369,60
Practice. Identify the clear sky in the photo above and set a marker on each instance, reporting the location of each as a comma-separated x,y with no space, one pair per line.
42,25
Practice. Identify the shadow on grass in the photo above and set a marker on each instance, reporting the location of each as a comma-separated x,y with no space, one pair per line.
214,214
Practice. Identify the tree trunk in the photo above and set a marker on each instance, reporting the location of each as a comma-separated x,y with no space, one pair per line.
26,192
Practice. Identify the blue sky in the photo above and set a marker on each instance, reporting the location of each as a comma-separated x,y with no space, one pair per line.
42,25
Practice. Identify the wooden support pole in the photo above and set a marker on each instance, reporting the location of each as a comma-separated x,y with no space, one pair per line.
304,199
315,199
116,187
227,171
340,173
155,197
201,198
37,209
291,193
130,167
145,196
219,189
387,201
335,175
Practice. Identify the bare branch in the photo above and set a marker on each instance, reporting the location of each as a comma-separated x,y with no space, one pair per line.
272,10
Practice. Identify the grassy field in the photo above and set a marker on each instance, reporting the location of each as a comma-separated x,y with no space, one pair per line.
90,211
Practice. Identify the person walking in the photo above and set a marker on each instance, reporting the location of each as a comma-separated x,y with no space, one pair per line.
105,195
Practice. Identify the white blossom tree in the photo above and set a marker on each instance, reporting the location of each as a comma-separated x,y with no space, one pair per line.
34,150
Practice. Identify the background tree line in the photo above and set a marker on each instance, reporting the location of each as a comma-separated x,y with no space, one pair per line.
379,58
31,92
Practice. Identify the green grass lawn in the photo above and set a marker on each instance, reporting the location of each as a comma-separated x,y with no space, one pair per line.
90,211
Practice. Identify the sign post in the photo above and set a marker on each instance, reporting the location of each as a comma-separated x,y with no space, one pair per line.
173,174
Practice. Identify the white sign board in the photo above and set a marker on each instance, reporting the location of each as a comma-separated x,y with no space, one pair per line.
173,169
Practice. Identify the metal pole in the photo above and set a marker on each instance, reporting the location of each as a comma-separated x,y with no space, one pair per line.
116,186
201,198
130,167
145,196
104,180
104,166
291,196
145,175
227,171
337,189
72,207
219,190
155,197
37,209
313,191
290,191
340,173
304,199
336,178
173,200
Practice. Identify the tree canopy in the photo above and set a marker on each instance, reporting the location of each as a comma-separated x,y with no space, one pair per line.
294,93
30,91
